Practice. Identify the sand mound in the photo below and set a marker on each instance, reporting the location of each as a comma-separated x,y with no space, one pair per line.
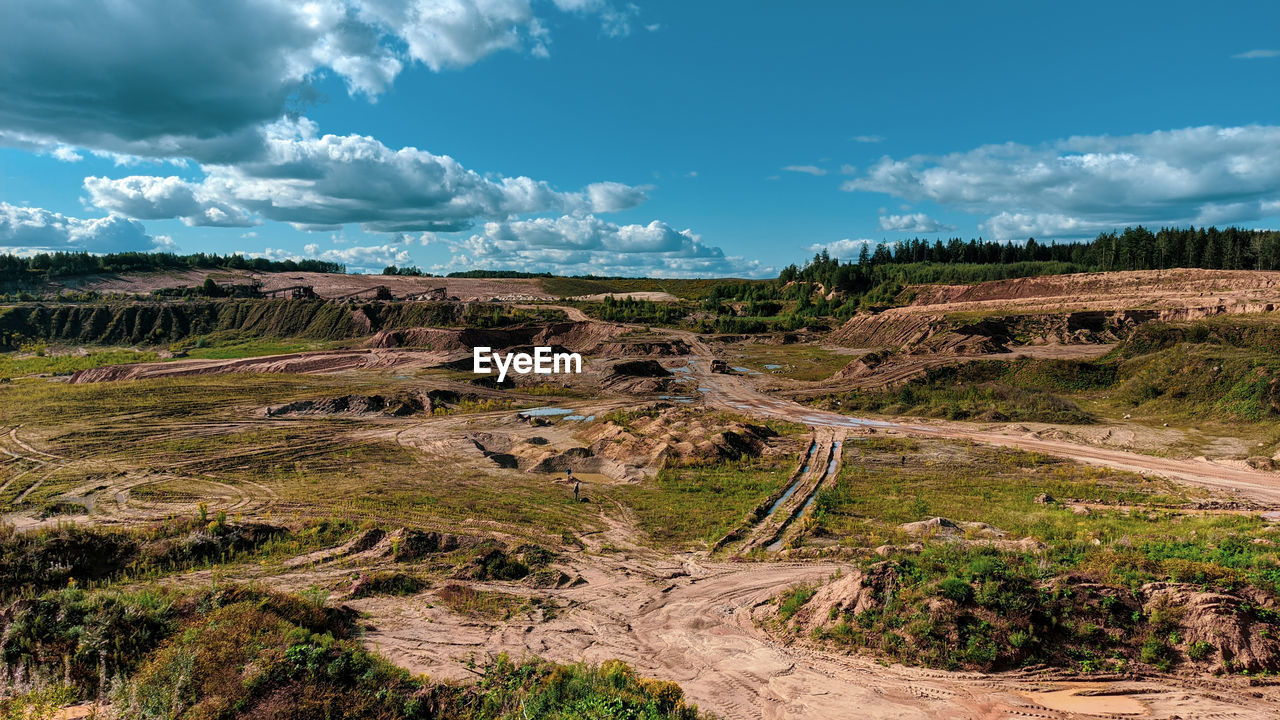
1221,632
854,593
944,529
398,405
675,435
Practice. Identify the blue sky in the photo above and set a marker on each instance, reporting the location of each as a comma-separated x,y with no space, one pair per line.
663,138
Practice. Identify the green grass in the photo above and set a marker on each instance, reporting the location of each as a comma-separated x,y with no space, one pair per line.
1190,381
235,348
792,600
1073,602
708,500
486,604
91,556
970,391
20,364
1135,531
798,362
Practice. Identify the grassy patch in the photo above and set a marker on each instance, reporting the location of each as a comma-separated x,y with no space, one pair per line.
32,562
798,362
20,364
792,600
233,348
487,604
689,505
1202,382
971,391
1132,531
198,430
978,608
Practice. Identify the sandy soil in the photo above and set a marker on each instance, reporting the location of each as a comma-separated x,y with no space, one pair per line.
315,362
705,625
644,295
1144,289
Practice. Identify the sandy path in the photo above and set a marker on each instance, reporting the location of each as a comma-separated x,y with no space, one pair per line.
696,624
735,393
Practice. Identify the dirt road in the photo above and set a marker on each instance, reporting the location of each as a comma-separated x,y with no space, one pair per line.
736,393
700,624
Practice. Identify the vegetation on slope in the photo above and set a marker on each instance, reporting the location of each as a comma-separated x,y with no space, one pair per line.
239,652
120,323
986,391
1219,369
1076,594
710,499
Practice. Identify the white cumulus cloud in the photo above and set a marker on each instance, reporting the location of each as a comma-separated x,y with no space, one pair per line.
322,182
27,229
585,244
806,169
845,249
1081,185
913,222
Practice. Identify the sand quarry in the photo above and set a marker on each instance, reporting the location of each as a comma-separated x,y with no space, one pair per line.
685,616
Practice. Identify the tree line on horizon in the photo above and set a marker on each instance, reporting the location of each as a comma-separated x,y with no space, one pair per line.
917,261
875,272
30,269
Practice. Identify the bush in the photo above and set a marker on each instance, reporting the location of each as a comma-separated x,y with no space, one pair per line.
1155,651
1199,650
956,589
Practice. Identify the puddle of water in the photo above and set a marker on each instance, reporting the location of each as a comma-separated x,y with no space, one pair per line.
831,469
772,367
790,491
579,418
545,412
803,471
704,390
677,398
682,369
1068,701
746,371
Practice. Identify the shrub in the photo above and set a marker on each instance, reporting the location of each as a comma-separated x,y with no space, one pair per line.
956,589
1199,650
1155,651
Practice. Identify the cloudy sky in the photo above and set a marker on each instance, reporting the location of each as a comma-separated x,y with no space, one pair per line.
632,138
